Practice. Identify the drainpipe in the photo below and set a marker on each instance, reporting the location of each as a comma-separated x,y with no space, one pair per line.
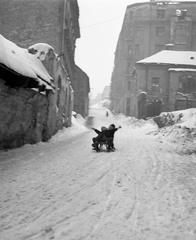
149,43
146,83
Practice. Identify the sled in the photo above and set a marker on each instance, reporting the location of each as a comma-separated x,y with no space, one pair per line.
103,146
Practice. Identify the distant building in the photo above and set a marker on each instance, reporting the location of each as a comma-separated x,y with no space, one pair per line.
148,28
96,99
166,82
106,93
81,92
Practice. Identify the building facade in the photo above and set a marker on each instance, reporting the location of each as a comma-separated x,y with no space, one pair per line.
148,28
34,104
56,23
81,92
166,82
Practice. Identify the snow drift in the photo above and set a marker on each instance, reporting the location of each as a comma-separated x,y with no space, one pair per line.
184,118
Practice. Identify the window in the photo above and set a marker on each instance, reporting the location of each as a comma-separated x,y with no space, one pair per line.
128,66
137,32
181,13
139,12
137,50
160,31
158,48
129,85
180,47
155,83
187,84
181,33
129,49
160,13
128,106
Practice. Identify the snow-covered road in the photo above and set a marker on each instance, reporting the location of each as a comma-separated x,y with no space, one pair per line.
145,190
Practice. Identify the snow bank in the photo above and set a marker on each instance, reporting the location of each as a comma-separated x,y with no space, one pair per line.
188,118
138,125
184,118
180,129
24,63
78,120
76,128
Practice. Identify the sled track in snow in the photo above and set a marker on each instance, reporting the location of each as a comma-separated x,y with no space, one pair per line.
109,197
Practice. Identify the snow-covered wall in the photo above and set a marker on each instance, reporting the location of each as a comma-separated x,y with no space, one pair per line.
28,115
24,63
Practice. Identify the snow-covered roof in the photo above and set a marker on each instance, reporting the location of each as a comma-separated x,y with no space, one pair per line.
24,63
171,57
182,69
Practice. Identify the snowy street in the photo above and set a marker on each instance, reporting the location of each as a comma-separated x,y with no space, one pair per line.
63,190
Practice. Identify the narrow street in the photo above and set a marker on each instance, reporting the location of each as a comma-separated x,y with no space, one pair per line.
145,190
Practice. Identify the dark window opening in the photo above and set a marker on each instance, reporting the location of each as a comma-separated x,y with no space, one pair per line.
155,83
160,31
160,13
137,51
129,85
137,33
187,84
181,13
128,66
158,48
128,106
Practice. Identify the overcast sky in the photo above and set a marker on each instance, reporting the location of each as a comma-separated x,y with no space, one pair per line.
100,25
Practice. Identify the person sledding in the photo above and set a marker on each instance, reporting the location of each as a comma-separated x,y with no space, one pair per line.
106,135
96,139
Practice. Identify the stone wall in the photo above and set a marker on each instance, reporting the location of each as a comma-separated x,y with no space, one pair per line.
28,115
26,22
23,117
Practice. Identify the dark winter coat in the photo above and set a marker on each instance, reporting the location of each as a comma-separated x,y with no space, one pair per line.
107,133
97,131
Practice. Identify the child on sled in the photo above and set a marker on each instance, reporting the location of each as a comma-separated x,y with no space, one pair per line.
96,139
106,135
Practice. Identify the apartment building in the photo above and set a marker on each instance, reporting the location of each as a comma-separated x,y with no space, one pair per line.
148,28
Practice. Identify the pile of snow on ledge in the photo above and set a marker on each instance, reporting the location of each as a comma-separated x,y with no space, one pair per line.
24,63
40,50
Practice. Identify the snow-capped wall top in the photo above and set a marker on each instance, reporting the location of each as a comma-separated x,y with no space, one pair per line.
22,62
171,57
40,50
182,69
